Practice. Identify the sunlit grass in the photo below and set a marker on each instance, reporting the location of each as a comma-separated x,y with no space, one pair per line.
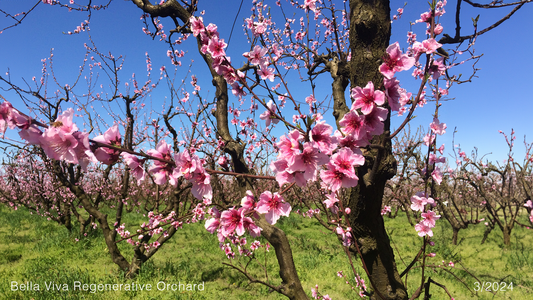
38,251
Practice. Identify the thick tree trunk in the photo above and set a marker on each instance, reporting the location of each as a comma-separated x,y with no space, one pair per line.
291,286
369,37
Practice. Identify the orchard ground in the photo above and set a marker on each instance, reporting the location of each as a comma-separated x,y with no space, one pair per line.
37,251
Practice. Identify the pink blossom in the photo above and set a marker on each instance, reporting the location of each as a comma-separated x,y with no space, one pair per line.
20,120
437,68
314,292
353,124
424,17
345,160
162,171
280,167
366,98
197,25
232,221
259,28
82,150
268,115
6,119
346,235
438,29
441,150
257,55
419,201
437,127
185,164
429,139
237,90
111,137
334,179
427,46
374,121
434,159
310,100
223,162
211,225
350,141
529,204
136,166
430,218
331,200
289,145
249,225
274,206
385,210
308,162
392,92
423,230
58,141
437,175
216,47
32,135
310,5
320,135
201,184
248,201
266,73
394,61
451,264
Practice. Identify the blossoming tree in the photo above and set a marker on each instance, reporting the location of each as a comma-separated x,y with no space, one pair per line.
351,161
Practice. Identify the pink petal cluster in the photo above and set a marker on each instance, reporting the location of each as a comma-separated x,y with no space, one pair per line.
308,161
268,115
359,129
310,5
429,218
62,141
257,56
385,210
394,61
427,223
397,97
136,166
6,118
274,206
330,202
529,204
162,171
232,220
11,118
423,230
112,137
427,46
340,172
346,235
366,98
321,137
215,47
419,201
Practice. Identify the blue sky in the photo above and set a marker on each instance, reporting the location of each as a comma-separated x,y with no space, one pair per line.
498,100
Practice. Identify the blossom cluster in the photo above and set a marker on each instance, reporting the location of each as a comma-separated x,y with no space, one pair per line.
529,205
419,203
236,221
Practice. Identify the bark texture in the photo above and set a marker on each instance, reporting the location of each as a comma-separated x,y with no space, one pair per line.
369,38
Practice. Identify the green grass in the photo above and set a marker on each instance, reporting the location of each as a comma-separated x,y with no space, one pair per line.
490,262
39,251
